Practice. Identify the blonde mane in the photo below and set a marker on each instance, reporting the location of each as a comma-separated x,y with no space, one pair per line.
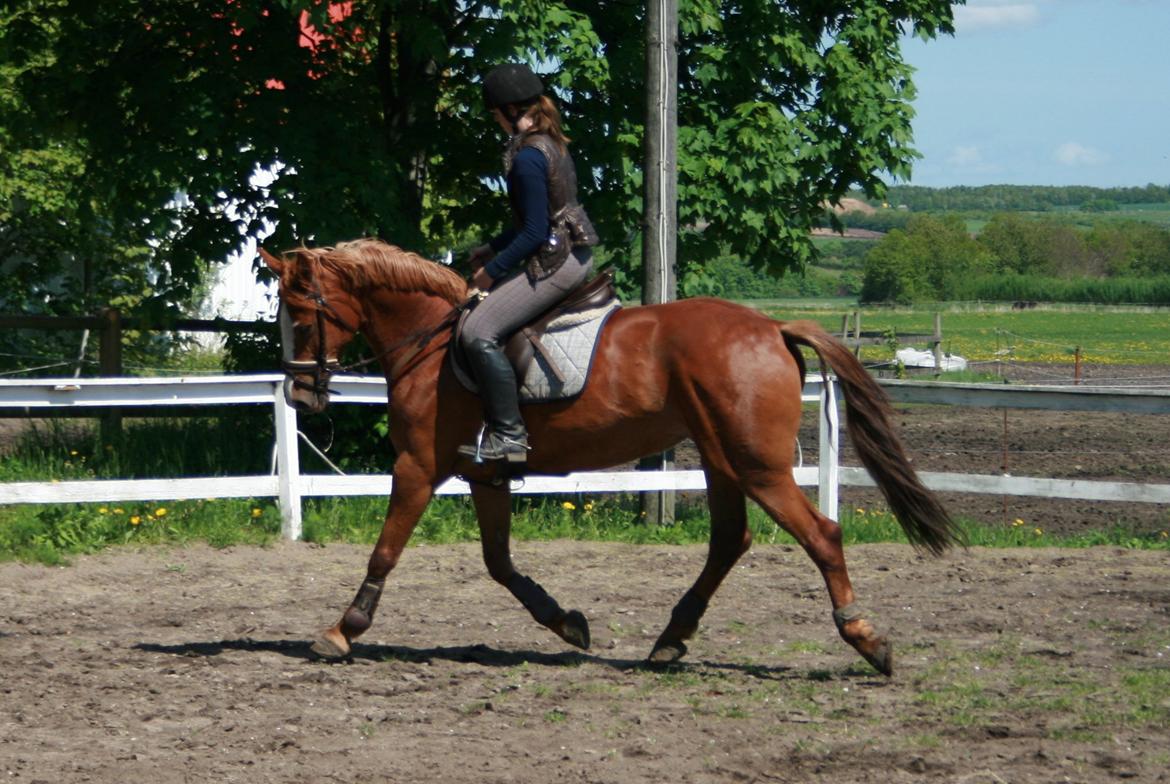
370,263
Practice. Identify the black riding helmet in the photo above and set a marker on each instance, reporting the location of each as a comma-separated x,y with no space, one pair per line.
511,83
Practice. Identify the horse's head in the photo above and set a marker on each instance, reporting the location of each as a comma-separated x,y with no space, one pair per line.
318,317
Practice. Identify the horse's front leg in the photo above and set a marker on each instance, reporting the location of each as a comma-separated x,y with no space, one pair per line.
409,497
493,507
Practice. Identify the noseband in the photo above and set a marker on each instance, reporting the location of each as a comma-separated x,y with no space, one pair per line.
321,366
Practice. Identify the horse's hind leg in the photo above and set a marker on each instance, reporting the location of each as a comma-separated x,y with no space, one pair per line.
730,538
493,507
821,539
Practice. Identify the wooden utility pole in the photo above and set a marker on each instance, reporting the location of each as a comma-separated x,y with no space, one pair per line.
660,197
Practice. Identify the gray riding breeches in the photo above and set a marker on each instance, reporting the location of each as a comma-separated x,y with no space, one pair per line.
515,300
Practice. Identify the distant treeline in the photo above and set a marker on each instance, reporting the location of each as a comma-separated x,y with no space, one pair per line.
1016,198
935,258
1029,289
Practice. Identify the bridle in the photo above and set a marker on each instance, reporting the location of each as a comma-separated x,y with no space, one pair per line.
322,366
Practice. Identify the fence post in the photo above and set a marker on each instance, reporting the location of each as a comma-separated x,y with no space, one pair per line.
110,366
857,333
828,450
937,340
288,465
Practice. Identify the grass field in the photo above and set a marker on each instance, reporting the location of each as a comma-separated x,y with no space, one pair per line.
1105,335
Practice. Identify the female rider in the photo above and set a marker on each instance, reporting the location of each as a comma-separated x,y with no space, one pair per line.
530,267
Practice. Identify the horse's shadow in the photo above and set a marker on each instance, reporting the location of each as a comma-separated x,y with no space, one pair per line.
483,655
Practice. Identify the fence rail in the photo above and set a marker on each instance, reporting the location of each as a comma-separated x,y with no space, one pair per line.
287,483
290,486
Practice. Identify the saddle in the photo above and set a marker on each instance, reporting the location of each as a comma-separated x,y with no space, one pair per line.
525,344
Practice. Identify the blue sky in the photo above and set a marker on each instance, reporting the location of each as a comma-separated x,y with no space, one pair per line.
1047,92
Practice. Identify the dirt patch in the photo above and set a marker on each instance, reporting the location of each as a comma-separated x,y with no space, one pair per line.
1066,445
192,665
1036,443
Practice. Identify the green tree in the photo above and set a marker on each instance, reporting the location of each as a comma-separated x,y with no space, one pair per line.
1017,244
378,128
926,261
58,255
1130,248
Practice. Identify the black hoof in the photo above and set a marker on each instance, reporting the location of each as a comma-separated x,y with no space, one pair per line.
575,629
667,652
882,658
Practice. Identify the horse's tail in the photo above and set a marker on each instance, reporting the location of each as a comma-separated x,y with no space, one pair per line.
871,431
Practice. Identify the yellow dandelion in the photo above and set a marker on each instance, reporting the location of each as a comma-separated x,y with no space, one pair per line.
160,512
119,510
256,513
135,520
588,506
103,510
1037,531
1017,522
568,505
73,453
860,510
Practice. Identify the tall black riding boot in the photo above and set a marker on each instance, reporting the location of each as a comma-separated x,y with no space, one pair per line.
505,437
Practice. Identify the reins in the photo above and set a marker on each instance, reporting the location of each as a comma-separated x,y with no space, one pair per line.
322,367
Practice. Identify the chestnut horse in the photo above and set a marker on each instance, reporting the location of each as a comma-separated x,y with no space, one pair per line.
721,374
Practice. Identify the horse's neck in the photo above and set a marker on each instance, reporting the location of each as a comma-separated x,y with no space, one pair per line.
393,317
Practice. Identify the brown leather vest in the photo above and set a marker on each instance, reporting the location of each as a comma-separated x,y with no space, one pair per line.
569,226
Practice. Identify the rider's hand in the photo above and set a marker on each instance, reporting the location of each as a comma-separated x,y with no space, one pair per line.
480,255
481,279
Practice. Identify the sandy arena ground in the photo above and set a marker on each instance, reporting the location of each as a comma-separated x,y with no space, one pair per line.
192,665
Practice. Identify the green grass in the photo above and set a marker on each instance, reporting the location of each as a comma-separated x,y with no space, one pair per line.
974,688
53,533
1104,335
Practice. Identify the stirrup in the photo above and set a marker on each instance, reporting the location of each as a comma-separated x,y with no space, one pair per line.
506,448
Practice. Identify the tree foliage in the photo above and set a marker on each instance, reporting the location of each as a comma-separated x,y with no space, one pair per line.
934,258
151,119
1114,248
925,261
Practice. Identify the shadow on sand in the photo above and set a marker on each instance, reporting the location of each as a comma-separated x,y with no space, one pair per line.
487,656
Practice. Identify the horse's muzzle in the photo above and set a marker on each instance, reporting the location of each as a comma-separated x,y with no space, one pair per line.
304,396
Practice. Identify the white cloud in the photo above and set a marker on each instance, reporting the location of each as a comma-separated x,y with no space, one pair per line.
965,156
1074,154
995,15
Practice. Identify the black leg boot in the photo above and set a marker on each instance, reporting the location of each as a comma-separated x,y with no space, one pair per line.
505,437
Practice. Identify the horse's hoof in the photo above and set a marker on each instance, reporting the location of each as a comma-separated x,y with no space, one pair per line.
328,648
881,658
574,629
667,652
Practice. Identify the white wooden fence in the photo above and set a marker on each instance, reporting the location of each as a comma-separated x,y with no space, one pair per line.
287,483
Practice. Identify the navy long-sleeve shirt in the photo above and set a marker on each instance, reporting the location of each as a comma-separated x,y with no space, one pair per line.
528,188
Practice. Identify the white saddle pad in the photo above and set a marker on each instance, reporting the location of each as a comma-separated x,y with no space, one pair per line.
569,341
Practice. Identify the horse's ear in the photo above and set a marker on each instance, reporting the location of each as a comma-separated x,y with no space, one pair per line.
274,264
